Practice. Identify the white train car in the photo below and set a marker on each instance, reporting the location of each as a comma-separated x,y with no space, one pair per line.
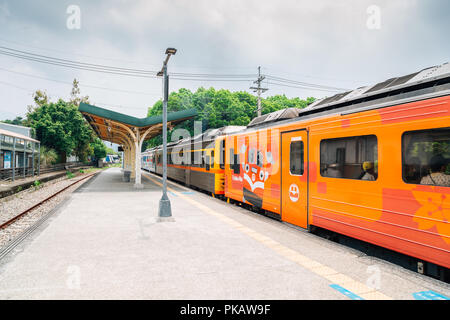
148,160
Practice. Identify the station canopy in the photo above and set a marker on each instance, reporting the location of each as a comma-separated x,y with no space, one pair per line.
115,127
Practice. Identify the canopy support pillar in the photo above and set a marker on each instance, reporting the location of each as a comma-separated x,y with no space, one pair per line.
137,160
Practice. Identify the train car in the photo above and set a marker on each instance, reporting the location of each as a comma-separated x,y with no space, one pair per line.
198,161
371,164
148,160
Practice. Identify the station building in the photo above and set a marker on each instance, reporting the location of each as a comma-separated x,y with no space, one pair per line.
19,152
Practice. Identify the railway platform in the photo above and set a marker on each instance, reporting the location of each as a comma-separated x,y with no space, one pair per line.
105,242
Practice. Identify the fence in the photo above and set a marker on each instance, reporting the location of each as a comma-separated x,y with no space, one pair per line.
7,174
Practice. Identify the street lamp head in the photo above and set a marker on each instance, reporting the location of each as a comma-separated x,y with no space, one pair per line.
171,51
160,74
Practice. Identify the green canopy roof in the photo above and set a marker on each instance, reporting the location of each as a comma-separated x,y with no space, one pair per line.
103,120
133,121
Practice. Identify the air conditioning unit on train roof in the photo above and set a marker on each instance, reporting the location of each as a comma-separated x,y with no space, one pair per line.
382,88
283,114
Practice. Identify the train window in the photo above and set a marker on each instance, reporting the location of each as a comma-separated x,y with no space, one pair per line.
426,157
231,158
237,164
222,154
212,159
296,162
350,158
259,159
207,163
196,158
182,157
251,156
234,162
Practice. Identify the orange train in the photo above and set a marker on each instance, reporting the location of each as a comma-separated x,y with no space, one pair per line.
372,164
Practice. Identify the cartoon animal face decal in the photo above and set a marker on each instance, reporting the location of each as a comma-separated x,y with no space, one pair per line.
255,173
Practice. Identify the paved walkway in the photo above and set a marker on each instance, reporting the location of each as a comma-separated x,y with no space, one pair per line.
105,243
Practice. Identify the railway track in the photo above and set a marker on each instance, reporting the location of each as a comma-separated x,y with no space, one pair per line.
15,227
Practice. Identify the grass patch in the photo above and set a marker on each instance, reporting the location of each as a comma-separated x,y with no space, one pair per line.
37,184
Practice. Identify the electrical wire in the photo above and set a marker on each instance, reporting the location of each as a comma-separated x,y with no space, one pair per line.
77,63
294,82
31,92
304,87
274,80
80,83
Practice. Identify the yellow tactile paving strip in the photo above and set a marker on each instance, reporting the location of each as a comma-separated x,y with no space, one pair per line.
317,268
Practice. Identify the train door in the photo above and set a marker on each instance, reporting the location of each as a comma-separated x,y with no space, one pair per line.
294,177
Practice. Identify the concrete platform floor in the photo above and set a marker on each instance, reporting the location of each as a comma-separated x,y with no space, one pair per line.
105,243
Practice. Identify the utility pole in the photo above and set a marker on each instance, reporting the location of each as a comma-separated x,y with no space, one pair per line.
165,211
259,90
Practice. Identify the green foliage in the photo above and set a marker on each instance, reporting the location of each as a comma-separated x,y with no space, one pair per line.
61,127
110,151
37,184
19,188
18,121
218,108
48,156
99,148
69,174
62,130
81,171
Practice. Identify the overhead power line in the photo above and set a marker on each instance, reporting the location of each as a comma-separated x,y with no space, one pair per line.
305,87
206,77
76,63
80,83
306,84
111,69
31,92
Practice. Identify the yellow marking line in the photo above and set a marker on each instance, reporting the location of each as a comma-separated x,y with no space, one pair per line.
319,269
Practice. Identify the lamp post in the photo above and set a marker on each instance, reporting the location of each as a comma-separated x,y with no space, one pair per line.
165,210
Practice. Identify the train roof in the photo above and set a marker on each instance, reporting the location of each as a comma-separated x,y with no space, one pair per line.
208,135
424,84
278,115
427,83
386,86
213,133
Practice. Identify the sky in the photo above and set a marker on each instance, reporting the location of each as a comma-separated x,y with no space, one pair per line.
344,44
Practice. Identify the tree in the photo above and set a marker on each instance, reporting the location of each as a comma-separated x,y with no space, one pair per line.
75,97
18,121
47,156
61,127
99,149
218,108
